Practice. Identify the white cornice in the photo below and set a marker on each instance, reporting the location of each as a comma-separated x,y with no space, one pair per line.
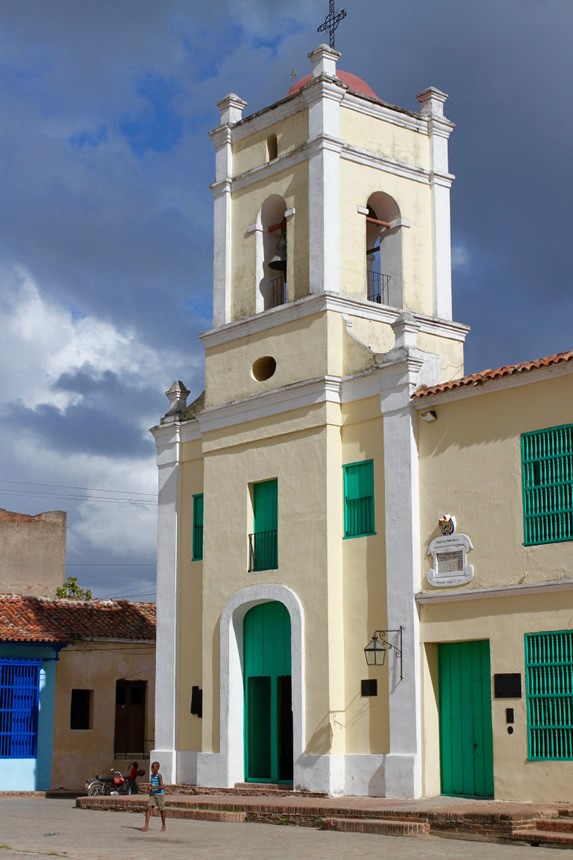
379,111
338,302
397,168
266,117
265,171
532,588
299,395
491,386
384,378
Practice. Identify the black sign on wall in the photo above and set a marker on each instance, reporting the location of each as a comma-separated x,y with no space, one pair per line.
507,686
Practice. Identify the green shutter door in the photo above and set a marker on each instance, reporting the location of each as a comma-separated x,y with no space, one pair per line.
268,706
265,525
359,499
466,743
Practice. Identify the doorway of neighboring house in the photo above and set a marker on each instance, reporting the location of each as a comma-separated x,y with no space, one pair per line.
130,699
466,742
268,697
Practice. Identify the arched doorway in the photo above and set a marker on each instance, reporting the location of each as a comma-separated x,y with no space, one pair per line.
267,694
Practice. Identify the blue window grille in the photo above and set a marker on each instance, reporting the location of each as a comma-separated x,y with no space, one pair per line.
19,699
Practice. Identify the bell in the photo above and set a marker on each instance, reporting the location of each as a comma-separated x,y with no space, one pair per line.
279,261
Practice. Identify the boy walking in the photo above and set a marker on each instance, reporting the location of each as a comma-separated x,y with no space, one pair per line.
156,796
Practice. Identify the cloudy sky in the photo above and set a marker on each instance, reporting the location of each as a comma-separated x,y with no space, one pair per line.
106,215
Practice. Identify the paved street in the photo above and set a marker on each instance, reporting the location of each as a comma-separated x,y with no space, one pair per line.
38,828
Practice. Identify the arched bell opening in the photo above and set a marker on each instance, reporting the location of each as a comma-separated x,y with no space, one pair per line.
383,250
273,284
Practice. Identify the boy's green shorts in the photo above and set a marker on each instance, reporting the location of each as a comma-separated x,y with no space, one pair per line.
157,800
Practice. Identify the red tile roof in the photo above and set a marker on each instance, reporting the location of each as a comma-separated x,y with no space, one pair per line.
47,619
488,375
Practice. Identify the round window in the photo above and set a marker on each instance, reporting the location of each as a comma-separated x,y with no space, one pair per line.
263,368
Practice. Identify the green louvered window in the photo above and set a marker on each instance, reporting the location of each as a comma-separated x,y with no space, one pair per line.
198,527
549,686
263,543
547,478
359,499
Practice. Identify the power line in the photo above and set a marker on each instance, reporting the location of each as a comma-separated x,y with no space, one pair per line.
86,498
73,487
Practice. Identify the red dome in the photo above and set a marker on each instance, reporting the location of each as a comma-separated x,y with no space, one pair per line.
353,82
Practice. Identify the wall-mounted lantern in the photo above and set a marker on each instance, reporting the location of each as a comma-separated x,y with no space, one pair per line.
375,651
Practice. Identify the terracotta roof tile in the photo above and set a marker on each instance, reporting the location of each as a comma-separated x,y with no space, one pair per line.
45,619
487,375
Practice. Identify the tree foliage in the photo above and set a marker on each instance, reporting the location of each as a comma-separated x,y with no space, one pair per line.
71,589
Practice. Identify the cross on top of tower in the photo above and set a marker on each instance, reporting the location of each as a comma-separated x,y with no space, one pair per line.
331,22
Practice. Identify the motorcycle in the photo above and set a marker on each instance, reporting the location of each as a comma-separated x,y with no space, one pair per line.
114,784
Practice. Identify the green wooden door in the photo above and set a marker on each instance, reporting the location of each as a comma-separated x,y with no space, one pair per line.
268,705
466,744
265,505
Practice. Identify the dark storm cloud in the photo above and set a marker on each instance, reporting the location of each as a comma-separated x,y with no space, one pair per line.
81,429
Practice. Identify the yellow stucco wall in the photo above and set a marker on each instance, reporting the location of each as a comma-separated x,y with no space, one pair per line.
364,595
80,754
251,152
190,632
340,583
471,467
385,138
503,622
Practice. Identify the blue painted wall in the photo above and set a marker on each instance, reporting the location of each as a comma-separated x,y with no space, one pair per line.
34,774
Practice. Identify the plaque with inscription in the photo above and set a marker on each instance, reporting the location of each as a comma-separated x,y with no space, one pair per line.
507,686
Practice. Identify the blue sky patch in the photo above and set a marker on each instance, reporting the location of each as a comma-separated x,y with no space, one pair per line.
158,127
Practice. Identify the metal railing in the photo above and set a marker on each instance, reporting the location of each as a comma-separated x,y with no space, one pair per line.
263,550
276,295
377,287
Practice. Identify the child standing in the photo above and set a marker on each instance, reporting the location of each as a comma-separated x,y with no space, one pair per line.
156,796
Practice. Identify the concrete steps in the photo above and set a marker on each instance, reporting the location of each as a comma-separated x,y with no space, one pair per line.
382,826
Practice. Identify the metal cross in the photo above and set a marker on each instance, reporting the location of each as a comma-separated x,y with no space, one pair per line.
331,22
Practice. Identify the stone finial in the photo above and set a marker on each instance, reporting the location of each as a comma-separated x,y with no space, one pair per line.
406,329
432,103
177,395
323,61
231,109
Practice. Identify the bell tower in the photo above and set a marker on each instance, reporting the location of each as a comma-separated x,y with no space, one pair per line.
290,487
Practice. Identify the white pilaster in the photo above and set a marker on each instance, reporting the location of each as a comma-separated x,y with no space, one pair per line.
406,368
222,253
439,129
323,99
231,112
167,441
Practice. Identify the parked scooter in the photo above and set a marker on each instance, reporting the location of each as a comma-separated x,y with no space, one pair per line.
107,785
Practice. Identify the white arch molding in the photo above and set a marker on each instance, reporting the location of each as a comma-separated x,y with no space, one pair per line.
227,768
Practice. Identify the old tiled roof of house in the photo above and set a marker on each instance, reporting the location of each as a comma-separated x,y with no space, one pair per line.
46,619
487,375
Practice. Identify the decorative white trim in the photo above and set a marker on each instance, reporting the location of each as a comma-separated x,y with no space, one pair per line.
391,115
299,395
403,548
522,590
460,545
396,168
327,301
168,460
227,767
